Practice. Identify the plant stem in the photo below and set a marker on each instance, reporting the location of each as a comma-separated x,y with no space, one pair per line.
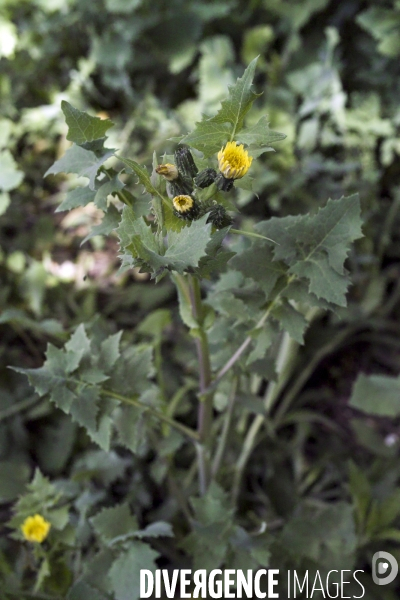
284,364
159,415
225,430
235,357
286,359
204,415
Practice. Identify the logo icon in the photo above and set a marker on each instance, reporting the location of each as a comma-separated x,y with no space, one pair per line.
384,568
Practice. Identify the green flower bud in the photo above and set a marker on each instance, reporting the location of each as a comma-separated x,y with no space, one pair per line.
223,183
205,178
219,217
179,187
185,163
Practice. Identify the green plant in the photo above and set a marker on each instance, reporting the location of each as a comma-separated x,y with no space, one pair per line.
246,298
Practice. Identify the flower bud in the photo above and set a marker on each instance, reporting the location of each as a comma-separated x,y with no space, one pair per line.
185,163
169,171
205,178
219,217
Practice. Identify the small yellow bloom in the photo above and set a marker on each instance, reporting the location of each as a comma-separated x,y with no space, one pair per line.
183,204
169,171
234,161
35,529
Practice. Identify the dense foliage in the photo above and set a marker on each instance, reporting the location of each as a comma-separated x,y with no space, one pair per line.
219,390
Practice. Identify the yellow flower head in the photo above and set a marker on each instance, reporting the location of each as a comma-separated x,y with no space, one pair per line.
183,204
35,529
234,161
169,171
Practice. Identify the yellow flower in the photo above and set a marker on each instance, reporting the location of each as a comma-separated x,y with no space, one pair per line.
234,161
169,171
185,207
183,204
35,529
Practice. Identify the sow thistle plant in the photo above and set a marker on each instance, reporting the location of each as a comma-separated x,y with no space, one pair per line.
263,287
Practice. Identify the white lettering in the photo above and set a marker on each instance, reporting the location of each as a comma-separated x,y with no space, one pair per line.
200,579
228,582
305,584
359,583
243,584
343,582
319,589
257,591
170,587
215,588
272,582
146,574
157,590
185,582
329,585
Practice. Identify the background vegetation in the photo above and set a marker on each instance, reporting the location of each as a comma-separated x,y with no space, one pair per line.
324,472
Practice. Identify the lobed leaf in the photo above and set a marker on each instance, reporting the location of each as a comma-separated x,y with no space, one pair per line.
82,127
316,246
234,109
83,162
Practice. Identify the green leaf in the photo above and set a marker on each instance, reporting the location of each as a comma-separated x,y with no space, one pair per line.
186,248
131,373
184,251
109,352
84,407
83,162
79,341
258,263
264,338
384,25
80,196
213,526
155,323
376,395
129,424
142,174
291,320
208,137
110,222
82,127
111,523
259,134
10,177
185,307
323,533
157,529
112,186
125,571
315,247
83,591
234,109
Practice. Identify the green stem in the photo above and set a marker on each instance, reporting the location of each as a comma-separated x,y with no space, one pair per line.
243,347
158,362
286,359
205,407
161,416
251,234
225,429
284,364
